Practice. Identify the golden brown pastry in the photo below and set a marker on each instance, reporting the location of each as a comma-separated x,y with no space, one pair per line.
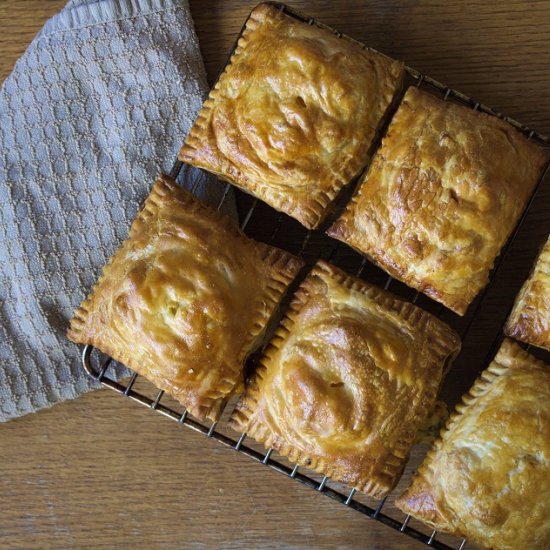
348,379
293,116
441,197
530,317
488,476
185,299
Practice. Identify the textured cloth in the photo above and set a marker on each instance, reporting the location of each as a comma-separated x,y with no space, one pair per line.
96,107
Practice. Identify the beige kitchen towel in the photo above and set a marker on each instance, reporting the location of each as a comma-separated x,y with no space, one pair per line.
99,103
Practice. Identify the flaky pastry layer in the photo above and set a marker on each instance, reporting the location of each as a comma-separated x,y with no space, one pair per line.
293,116
347,380
529,320
488,476
441,197
185,299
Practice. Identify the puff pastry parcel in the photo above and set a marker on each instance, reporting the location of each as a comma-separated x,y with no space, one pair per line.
441,197
488,477
530,317
293,116
349,377
185,299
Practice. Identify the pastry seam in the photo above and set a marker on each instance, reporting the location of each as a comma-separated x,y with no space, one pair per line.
442,348
343,228
309,211
285,267
482,385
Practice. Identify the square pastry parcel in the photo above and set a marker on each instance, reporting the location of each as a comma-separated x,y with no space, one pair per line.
293,116
350,376
487,478
529,320
441,197
185,299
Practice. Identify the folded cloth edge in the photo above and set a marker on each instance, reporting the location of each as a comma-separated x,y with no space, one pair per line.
104,11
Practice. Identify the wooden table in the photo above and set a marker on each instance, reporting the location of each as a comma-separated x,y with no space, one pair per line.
102,472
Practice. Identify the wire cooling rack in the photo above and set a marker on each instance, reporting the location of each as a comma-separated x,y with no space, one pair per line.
263,223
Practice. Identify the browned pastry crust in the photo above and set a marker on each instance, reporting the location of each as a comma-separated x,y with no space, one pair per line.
530,317
292,117
442,195
347,380
488,476
185,299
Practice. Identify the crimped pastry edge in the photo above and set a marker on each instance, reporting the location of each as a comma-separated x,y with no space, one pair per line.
340,229
309,212
446,346
509,356
286,268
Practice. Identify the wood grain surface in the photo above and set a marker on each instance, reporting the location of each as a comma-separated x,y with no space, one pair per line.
100,472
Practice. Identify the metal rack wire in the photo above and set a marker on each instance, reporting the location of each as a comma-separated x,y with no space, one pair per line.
329,249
